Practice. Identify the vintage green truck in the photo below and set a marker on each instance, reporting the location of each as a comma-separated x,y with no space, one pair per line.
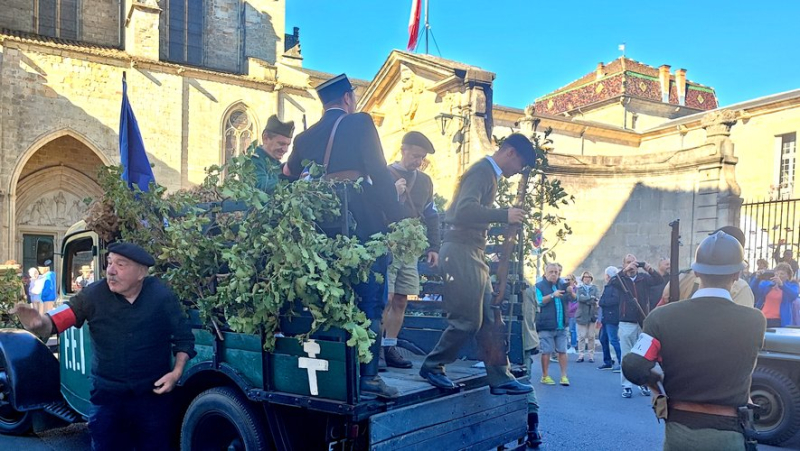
776,386
302,396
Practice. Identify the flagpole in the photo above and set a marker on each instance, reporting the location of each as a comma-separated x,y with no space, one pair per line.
427,26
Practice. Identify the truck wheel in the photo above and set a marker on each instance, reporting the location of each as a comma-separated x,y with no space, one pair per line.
12,421
779,399
222,418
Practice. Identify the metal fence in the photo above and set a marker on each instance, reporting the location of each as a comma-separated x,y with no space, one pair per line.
770,228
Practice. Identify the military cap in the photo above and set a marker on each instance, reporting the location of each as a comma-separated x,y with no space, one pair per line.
275,125
523,146
418,139
132,252
719,254
334,88
732,231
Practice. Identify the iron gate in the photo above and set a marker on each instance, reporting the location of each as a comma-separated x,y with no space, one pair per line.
770,228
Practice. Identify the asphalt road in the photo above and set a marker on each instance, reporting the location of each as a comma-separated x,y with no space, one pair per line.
589,414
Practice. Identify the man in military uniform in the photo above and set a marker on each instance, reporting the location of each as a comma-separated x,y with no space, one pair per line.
415,190
707,368
276,138
346,143
467,289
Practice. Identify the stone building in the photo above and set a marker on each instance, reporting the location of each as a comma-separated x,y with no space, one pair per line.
637,145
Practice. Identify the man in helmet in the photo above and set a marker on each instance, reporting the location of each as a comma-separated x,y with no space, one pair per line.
706,368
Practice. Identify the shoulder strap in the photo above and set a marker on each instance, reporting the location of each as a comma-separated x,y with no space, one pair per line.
330,142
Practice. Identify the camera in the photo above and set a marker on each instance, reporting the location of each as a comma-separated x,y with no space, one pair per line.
640,264
766,275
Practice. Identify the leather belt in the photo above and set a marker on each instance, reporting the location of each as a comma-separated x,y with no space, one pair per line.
708,409
350,175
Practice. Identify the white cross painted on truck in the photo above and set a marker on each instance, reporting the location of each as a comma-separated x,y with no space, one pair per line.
312,364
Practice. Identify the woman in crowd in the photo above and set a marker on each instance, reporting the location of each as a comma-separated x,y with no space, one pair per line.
35,289
572,286
588,296
774,296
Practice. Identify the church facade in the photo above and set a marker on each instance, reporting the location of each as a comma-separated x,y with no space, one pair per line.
637,145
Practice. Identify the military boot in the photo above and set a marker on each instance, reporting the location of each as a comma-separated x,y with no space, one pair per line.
534,437
371,384
394,358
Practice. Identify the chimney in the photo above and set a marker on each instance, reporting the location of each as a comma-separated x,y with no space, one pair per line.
663,77
141,29
680,85
601,71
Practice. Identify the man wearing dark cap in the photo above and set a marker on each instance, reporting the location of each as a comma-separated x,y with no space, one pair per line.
706,366
467,289
346,144
741,292
136,327
276,138
415,191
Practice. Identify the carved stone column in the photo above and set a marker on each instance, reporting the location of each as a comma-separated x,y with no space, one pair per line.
719,179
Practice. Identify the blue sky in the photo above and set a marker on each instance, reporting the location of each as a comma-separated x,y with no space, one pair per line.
743,49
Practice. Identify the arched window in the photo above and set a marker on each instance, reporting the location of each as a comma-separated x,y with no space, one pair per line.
239,132
185,31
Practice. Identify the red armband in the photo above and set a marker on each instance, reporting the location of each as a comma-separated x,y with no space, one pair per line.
648,347
63,318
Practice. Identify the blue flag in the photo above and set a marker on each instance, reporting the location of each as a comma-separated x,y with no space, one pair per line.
136,168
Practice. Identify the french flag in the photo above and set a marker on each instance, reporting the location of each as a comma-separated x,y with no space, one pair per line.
413,25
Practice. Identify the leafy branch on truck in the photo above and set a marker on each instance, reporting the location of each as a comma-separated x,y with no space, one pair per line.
244,267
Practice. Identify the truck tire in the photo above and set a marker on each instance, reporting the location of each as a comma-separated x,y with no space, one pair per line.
12,421
221,418
779,399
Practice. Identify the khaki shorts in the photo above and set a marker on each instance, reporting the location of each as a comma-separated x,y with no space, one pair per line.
402,278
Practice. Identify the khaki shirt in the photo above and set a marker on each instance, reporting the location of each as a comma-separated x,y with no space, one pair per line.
689,283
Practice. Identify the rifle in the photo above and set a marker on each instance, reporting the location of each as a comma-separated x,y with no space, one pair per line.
496,352
674,284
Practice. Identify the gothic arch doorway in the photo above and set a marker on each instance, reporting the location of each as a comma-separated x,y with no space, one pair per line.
49,195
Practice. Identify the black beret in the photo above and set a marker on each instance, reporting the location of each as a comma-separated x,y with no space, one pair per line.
275,125
732,231
418,139
133,252
523,146
334,88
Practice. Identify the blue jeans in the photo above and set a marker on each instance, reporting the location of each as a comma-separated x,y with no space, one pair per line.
372,294
609,336
122,422
573,333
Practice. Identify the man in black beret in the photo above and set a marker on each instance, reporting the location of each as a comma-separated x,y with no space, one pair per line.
346,143
137,326
467,288
415,191
276,138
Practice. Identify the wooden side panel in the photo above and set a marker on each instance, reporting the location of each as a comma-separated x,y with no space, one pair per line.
287,376
456,422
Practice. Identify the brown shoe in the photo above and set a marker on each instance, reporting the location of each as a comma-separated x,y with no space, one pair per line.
394,358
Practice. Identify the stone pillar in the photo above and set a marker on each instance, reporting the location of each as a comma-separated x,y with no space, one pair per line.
141,29
663,77
680,86
718,200
479,141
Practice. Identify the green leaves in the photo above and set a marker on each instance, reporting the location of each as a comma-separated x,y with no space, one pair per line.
244,269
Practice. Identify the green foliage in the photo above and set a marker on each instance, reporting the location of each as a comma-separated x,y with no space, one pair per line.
11,292
543,200
243,269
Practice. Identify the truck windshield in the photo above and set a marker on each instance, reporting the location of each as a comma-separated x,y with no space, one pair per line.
79,268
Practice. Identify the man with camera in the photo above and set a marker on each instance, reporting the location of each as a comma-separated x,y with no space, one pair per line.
633,282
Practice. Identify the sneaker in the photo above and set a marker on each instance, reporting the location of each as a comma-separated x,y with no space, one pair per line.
580,360
644,390
591,360
616,369
627,392
547,380
605,366
571,351
564,381
553,358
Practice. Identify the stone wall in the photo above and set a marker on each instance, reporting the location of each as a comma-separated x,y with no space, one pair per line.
17,15
100,22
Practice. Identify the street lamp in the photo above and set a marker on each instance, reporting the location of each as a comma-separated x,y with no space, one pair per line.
444,119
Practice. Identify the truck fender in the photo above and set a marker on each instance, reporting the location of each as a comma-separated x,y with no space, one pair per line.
199,370
31,370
